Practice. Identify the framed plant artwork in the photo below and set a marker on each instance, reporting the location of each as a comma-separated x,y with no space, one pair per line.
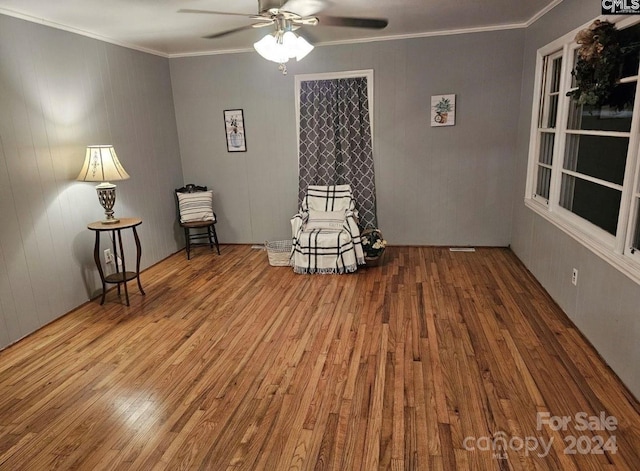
443,110
234,129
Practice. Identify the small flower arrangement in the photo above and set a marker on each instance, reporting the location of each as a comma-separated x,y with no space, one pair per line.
373,243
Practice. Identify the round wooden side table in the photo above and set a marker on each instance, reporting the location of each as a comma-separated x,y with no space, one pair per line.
120,276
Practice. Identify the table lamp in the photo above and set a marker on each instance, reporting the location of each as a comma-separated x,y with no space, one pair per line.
101,164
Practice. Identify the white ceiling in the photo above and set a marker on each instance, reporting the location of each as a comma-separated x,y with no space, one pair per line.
156,26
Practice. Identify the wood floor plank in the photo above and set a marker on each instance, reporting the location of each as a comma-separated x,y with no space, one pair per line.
433,361
374,424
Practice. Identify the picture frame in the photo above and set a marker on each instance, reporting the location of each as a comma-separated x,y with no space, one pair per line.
443,110
234,130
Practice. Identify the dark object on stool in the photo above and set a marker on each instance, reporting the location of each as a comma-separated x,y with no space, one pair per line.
195,213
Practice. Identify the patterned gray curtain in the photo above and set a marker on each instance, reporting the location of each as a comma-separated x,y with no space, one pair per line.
335,141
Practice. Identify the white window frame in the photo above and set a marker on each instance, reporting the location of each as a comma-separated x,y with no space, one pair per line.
544,102
614,249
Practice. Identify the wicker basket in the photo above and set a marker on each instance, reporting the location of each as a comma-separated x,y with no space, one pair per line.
279,252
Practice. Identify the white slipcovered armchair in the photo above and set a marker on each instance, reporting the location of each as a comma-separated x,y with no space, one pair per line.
326,238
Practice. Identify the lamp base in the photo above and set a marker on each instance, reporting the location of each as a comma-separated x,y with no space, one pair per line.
107,196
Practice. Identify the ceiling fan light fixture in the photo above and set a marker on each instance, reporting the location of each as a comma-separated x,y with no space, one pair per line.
280,47
290,43
269,48
303,47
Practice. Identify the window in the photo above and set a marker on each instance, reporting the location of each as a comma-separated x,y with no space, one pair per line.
583,160
547,120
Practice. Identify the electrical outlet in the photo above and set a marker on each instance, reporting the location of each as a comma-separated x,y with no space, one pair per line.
574,277
108,256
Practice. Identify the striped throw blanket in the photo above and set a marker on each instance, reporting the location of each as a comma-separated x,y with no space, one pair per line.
326,237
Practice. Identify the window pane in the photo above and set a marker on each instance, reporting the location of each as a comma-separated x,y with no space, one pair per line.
555,77
553,111
604,118
595,203
627,37
546,148
544,181
636,238
597,156
550,92
574,84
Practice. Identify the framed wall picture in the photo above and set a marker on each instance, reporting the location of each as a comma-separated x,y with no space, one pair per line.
443,110
234,129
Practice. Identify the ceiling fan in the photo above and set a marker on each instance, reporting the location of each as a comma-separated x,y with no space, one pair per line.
286,18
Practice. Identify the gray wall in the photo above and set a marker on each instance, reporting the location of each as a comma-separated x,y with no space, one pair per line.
58,93
604,305
435,186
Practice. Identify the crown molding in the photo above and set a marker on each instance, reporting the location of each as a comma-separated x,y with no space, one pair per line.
542,12
81,32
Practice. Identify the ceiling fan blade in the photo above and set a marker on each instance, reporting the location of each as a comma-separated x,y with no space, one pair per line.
309,20
262,25
371,23
211,12
268,19
305,7
229,31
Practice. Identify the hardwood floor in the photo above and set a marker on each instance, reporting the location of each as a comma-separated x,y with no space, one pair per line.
230,364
